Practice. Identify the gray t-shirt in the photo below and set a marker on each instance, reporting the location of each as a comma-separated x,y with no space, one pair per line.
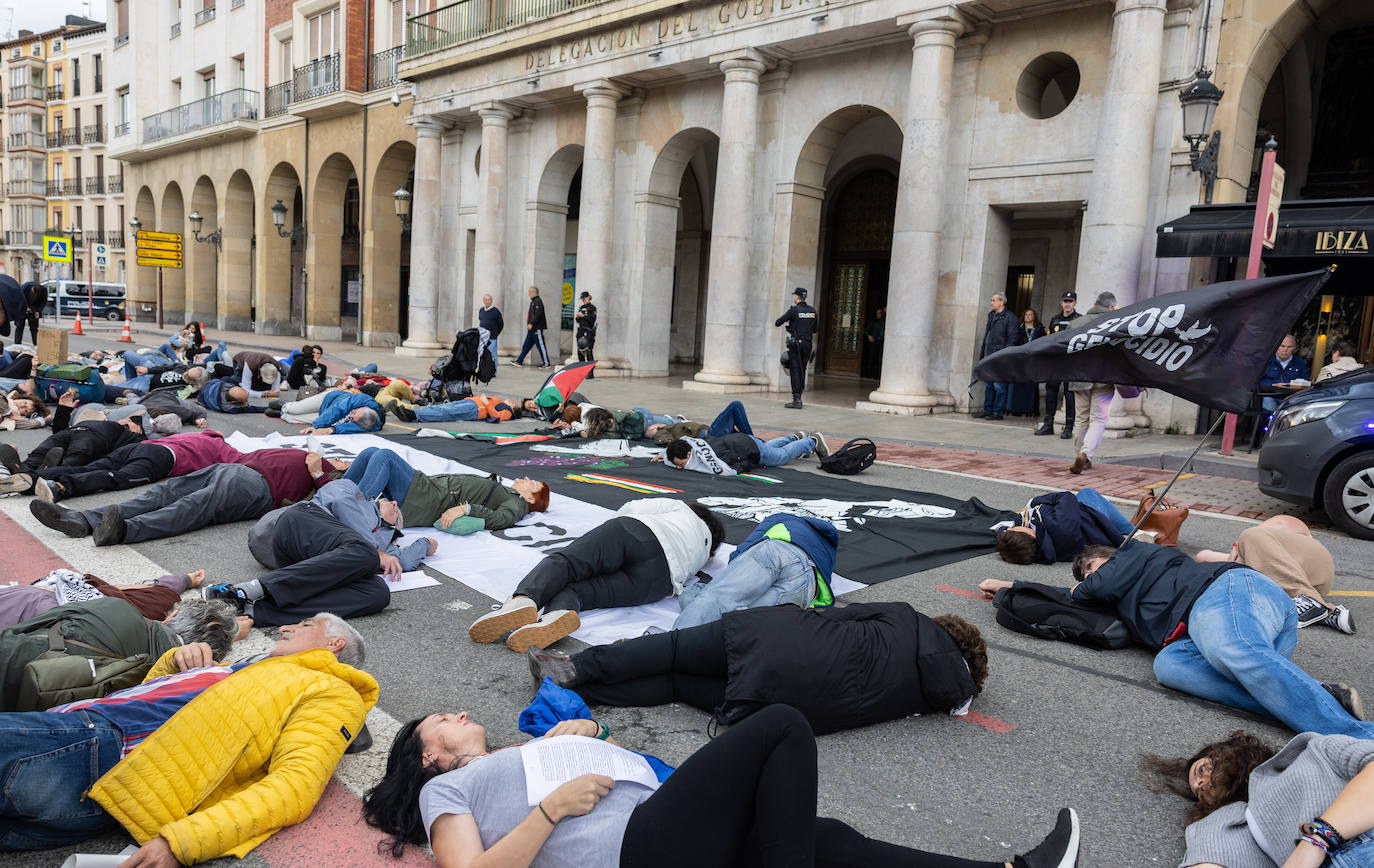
492,790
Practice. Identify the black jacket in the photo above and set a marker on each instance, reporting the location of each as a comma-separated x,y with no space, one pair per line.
1153,589
800,320
737,450
841,667
1059,322
1064,527
1004,330
535,317
305,368
95,439
586,323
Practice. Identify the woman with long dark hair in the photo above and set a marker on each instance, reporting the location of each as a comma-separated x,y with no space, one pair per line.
746,798
1310,802
1025,397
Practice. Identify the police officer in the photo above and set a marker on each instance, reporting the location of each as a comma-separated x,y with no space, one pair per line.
800,320
586,331
1068,302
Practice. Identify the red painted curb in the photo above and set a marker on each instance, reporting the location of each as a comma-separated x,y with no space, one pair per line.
29,558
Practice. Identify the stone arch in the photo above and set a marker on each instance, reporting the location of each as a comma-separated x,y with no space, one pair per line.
386,298
278,285
552,222
239,223
142,282
202,259
172,218
325,247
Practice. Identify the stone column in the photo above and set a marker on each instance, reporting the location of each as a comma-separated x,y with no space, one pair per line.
730,271
916,229
1113,238
454,306
596,217
425,212
490,270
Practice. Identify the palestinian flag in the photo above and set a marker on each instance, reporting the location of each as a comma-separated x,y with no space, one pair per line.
562,383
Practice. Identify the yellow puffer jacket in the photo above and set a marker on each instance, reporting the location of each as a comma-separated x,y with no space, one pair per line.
249,756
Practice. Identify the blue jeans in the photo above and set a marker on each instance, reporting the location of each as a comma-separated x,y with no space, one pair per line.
134,360
1238,651
730,420
1092,499
369,368
654,418
449,411
216,354
780,450
381,471
135,384
994,399
491,345
769,573
48,760
1357,853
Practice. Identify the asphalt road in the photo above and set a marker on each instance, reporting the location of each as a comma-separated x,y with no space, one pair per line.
1075,721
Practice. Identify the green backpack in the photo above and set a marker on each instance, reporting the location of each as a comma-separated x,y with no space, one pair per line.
74,372
60,675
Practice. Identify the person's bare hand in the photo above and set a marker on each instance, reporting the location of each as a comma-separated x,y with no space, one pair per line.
197,655
451,515
340,465
989,587
197,578
202,422
68,398
433,545
313,463
307,430
574,727
140,370
274,394
391,566
578,796
657,459
245,624
157,853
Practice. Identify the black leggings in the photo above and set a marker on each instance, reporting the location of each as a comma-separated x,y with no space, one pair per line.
749,798
677,666
618,563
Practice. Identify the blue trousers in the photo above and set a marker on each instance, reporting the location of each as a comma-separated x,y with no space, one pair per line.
769,573
464,410
730,420
381,471
48,760
534,339
994,399
654,418
780,450
133,360
1093,499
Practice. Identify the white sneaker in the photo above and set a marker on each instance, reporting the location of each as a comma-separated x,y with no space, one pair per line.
550,627
515,612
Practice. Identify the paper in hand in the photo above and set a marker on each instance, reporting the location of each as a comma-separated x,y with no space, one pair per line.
552,762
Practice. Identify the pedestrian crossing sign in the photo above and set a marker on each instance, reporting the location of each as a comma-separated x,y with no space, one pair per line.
57,248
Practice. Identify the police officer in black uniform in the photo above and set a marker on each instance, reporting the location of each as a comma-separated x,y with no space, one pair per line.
586,331
800,320
1060,321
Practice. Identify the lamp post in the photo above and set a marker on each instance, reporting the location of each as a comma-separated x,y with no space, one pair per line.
402,197
216,238
296,234
1199,101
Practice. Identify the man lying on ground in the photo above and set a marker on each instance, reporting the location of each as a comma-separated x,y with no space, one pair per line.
1057,526
136,464
739,452
248,487
478,502
1223,631
162,401
478,408
647,552
250,751
155,602
225,395
335,411
326,552
74,447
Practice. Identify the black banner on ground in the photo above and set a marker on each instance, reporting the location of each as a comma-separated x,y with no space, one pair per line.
884,532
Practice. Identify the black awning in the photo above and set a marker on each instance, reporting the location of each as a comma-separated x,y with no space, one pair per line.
1319,227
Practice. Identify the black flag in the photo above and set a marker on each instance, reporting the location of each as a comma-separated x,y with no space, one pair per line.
1208,345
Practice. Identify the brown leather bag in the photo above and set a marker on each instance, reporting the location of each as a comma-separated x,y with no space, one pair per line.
1164,521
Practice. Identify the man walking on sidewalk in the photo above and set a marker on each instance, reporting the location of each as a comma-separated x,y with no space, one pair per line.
535,324
1092,401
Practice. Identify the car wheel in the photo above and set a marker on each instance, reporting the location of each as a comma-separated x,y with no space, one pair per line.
113,315
1349,495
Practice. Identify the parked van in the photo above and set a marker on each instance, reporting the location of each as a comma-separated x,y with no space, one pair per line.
75,296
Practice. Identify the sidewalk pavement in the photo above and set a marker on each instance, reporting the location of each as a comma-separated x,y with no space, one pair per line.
955,443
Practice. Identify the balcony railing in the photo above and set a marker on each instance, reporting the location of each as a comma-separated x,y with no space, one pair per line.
276,98
71,187
382,71
28,91
121,39
28,140
232,105
316,78
234,4
204,15
114,238
55,140
176,29
71,137
95,184
114,184
123,129
472,19
54,91
29,187
22,238
92,134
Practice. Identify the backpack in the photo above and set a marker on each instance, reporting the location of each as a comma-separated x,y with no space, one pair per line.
76,372
54,380
853,457
1049,613
85,671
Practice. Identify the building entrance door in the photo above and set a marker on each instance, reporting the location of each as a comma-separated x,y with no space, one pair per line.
860,230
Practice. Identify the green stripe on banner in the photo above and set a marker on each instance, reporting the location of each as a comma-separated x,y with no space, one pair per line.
769,480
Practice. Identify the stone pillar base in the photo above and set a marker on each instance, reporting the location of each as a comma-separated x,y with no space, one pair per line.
380,339
895,409
720,388
420,349
723,378
274,327
234,323
324,333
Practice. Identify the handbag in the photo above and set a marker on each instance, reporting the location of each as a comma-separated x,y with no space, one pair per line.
1165,521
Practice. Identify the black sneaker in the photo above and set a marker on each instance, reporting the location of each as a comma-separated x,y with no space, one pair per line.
1067,433
111,530
404,413
53,457
272,413
1045,428
229,594
1059,849
59,518
9,458
1309,611
1347,697
1340,619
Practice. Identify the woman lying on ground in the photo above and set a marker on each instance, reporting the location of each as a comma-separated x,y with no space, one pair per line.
1310,802
747,797
842,667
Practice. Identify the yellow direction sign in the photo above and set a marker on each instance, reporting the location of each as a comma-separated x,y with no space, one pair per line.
144,244
57,248
145,235
159,263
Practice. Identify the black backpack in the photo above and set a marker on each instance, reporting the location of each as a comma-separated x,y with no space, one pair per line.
1050,613
853,457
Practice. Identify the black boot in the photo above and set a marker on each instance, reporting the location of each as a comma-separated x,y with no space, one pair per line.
795,403
1046,427
1067,433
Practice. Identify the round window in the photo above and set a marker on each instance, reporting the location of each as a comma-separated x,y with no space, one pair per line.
1047,86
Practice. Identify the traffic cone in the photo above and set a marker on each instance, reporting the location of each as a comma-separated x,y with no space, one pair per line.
124,335
76,325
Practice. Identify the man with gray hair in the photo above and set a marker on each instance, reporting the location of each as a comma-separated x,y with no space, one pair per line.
1002,331
338,411
1092,401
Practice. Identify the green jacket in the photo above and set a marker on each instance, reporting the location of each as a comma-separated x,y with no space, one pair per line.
430,496
629,424
108,623
668,433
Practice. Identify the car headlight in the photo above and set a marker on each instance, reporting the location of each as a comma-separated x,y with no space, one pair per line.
1291,417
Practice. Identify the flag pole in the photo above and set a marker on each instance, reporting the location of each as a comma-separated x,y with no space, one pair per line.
1182,467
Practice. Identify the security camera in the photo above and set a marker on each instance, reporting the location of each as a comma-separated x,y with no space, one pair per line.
396,97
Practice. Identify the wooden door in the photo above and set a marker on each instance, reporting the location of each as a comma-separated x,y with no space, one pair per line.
848,288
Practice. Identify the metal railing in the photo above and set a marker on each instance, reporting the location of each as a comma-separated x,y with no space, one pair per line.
275,99
28,140
316,78
472,19
64,138
115,238
71,187
22,238
95,184
54,91
93,134
29,187
238,104
204,15
123,129
121,39
114,184
176,29
54,140
28,91
381,72
234,4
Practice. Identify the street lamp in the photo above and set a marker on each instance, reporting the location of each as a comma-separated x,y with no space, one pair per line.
1199,101
135,224
402,197
279,221
214,238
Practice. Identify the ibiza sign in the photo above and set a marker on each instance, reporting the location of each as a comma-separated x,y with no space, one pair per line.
1342,241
